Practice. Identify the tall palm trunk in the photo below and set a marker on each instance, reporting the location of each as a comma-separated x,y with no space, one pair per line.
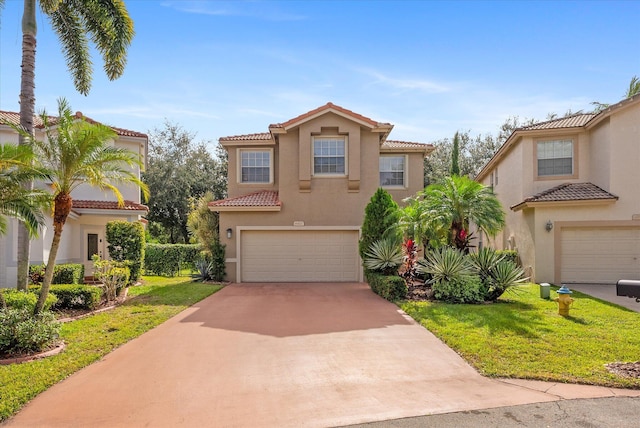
62,208
27,107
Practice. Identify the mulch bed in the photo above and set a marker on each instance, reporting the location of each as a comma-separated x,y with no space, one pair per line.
419,292
630,370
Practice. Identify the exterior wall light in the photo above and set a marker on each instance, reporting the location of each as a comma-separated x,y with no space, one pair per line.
548,226
229,233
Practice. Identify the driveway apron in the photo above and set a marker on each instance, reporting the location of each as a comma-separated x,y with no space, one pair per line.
260,355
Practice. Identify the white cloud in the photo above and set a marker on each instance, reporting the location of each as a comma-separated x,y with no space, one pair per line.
404,83
250,9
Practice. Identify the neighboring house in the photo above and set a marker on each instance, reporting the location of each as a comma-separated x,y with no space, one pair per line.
297,194
84,230
571,189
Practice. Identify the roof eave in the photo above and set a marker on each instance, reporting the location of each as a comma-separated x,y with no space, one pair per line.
271,208
578,202
104,211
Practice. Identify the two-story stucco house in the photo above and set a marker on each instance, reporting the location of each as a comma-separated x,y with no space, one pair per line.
571,189
84,231
297,194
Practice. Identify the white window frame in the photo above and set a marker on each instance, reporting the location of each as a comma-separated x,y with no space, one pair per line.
538,143
345,139
405,174
239,174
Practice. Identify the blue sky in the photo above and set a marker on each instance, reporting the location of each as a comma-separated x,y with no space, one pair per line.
221,68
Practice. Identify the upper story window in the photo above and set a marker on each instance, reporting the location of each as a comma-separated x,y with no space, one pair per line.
555,157
392,171
329,155
256,166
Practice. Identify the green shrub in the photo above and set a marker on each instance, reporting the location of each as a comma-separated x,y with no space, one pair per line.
461,289
218,270
391,287
74,296
21,332
66,273
18,299
511,255
126,243
113,274
380,218
168,259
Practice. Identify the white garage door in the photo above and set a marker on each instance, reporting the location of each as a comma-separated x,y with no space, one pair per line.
600,255
299,256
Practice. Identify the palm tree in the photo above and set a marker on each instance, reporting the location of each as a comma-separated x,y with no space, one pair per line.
414,223
457,201
15,201
634,87
107,24
76,152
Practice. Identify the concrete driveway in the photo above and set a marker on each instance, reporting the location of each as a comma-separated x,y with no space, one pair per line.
263,355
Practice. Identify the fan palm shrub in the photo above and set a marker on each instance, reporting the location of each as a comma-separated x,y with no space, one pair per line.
384,256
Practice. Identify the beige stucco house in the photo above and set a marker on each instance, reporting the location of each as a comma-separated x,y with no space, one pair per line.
297,194
571,189
84,230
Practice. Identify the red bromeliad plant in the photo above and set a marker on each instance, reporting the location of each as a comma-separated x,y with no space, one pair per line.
409,272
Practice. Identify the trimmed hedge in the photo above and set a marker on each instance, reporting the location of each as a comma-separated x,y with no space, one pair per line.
511,255
73,296
66,273
18,299
126,243
169,259
391,288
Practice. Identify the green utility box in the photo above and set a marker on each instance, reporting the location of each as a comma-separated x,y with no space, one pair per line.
545,290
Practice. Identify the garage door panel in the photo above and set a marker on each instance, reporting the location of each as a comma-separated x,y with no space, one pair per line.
294,256
600,255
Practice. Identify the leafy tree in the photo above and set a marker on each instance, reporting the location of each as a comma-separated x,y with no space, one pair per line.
107,24
379,220
455,154
77,152
474,152
180,171
456,202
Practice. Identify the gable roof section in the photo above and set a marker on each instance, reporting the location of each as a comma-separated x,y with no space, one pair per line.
14,118
576,121
262,200
571,193
333,108
573,121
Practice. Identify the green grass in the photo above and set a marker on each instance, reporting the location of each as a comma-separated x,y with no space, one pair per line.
91,338
522,336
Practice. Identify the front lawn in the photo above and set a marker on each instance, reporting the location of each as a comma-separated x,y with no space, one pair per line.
91,338
522,336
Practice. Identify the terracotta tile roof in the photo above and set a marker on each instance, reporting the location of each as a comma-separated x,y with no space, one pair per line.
108,205
393,144
570,192
326,107
573,121
262,198
14,118
248,137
